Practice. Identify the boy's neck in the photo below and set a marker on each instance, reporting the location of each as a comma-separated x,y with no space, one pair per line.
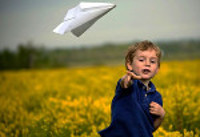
145,82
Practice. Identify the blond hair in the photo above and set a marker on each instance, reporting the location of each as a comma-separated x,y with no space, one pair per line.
143,46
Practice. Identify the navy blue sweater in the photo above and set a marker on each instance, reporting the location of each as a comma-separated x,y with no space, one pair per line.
130,111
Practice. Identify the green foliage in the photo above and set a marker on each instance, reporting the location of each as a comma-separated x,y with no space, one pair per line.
28,56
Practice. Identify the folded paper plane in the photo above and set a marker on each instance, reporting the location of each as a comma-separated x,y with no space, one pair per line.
80,18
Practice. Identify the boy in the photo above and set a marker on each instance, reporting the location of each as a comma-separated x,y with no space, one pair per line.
137,106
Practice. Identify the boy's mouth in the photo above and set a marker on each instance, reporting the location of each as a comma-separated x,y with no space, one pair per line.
146,71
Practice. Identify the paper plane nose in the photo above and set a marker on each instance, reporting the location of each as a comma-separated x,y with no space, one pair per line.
86,5
107,5
110,5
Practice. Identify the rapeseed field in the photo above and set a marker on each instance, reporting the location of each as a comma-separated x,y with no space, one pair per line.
75,102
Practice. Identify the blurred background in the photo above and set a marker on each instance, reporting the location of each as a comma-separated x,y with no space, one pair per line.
61,86
27,40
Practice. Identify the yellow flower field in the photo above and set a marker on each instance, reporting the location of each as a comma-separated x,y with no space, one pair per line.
73,102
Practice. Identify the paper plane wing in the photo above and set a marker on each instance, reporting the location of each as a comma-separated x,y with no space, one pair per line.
83,16
82,28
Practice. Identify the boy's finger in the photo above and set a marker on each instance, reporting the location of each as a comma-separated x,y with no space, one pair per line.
151,106
127,78
152,111
134,76
153,103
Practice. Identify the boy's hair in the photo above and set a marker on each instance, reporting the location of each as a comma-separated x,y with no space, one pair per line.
143,45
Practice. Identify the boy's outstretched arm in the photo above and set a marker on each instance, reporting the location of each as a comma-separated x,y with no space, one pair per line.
127,79
158,110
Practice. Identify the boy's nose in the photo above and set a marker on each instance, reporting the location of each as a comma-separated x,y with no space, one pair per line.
147,63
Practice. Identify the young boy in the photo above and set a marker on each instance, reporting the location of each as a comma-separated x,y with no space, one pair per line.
137,106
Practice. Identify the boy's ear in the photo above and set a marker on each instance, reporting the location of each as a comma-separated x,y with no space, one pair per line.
129,66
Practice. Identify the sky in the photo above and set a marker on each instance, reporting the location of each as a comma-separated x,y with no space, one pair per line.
23,21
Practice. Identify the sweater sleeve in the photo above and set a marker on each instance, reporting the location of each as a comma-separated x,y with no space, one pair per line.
121,92
159,99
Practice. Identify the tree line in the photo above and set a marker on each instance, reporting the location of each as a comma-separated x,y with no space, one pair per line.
30,56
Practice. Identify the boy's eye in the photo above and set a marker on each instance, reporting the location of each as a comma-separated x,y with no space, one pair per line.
153,61
141,60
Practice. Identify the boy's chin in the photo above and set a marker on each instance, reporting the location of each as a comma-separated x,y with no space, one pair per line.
146,78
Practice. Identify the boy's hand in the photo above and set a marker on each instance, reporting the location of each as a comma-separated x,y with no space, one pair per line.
156,109
126,79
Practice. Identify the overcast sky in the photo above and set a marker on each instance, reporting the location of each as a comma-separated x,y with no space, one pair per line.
33,20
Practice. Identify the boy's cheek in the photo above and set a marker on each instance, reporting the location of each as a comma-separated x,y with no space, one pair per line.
137,70
157,70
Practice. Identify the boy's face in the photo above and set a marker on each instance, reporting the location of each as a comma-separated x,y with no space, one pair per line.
145,64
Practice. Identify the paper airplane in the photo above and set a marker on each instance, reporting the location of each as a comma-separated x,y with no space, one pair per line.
80,18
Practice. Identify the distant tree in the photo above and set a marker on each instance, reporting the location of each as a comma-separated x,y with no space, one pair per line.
26,55
7,59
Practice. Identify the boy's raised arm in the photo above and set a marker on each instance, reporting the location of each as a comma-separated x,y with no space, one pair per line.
126,80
